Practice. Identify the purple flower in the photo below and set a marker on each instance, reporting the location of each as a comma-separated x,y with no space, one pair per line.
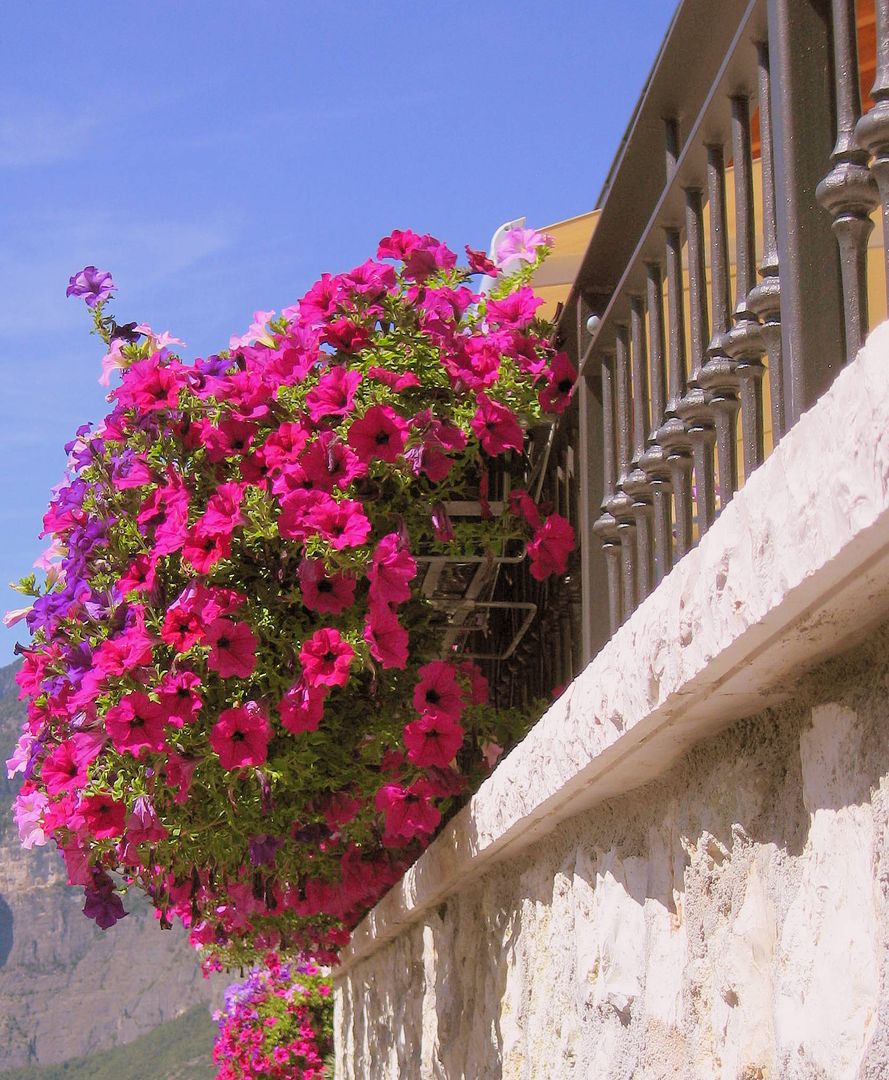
92,284
263,849
101,901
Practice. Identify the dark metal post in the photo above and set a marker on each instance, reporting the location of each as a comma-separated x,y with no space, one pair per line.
813,342
654,461
848,191
744,341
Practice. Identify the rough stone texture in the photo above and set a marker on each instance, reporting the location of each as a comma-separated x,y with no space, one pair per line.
726,920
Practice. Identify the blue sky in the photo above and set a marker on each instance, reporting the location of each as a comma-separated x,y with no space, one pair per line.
218,156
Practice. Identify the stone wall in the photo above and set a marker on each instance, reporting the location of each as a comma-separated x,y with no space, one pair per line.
726,920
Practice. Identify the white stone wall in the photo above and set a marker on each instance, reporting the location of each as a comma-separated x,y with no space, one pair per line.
641,890
727,920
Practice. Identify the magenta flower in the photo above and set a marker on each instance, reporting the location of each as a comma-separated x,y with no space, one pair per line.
496,427
344,524
408,811
328,463
151,384
432,741
387,639
178,697
550,547
93,285
232,648
61,771
438,693
329,593
300,510
442,525
241,736
392,569
302,707
136,723
556,394
102,816
379,434
143,824
326,658
515,311
334,394
479,263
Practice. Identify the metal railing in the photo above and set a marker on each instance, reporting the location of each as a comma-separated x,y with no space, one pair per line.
725,285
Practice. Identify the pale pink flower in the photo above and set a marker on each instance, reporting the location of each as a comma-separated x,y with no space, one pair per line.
257,332
28,814
521,245
15,615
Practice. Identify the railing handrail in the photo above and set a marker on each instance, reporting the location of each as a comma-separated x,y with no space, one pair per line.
679,83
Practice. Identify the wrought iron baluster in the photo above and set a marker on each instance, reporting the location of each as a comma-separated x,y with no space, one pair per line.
605,525
672,435
654,460
694,408
764,299
849,191
744,342
621,504
872,130
636,483
718,375
813,339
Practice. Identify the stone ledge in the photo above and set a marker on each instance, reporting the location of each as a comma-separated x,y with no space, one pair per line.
794,570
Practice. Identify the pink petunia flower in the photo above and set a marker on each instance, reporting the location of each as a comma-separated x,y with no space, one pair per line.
408,811
178,697
232,648
344,524
102,816
241,736
335,393
387,639
514,311
28,816
554,397
391,571
143,824
379,435
432,740
136,723
302,707
496,427
328,463
323,592
438,693
550,547
521,245
326,658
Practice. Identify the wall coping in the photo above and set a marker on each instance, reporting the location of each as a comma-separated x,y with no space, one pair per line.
795,569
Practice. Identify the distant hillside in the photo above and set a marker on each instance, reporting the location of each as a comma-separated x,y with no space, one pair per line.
68,989
177,1050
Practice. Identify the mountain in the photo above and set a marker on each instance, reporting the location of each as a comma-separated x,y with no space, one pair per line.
177,1050
68,989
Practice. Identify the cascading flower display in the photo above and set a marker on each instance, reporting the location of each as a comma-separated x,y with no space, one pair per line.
276,1025
238,697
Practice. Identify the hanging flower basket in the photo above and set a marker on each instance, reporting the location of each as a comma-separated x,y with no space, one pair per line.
253,686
